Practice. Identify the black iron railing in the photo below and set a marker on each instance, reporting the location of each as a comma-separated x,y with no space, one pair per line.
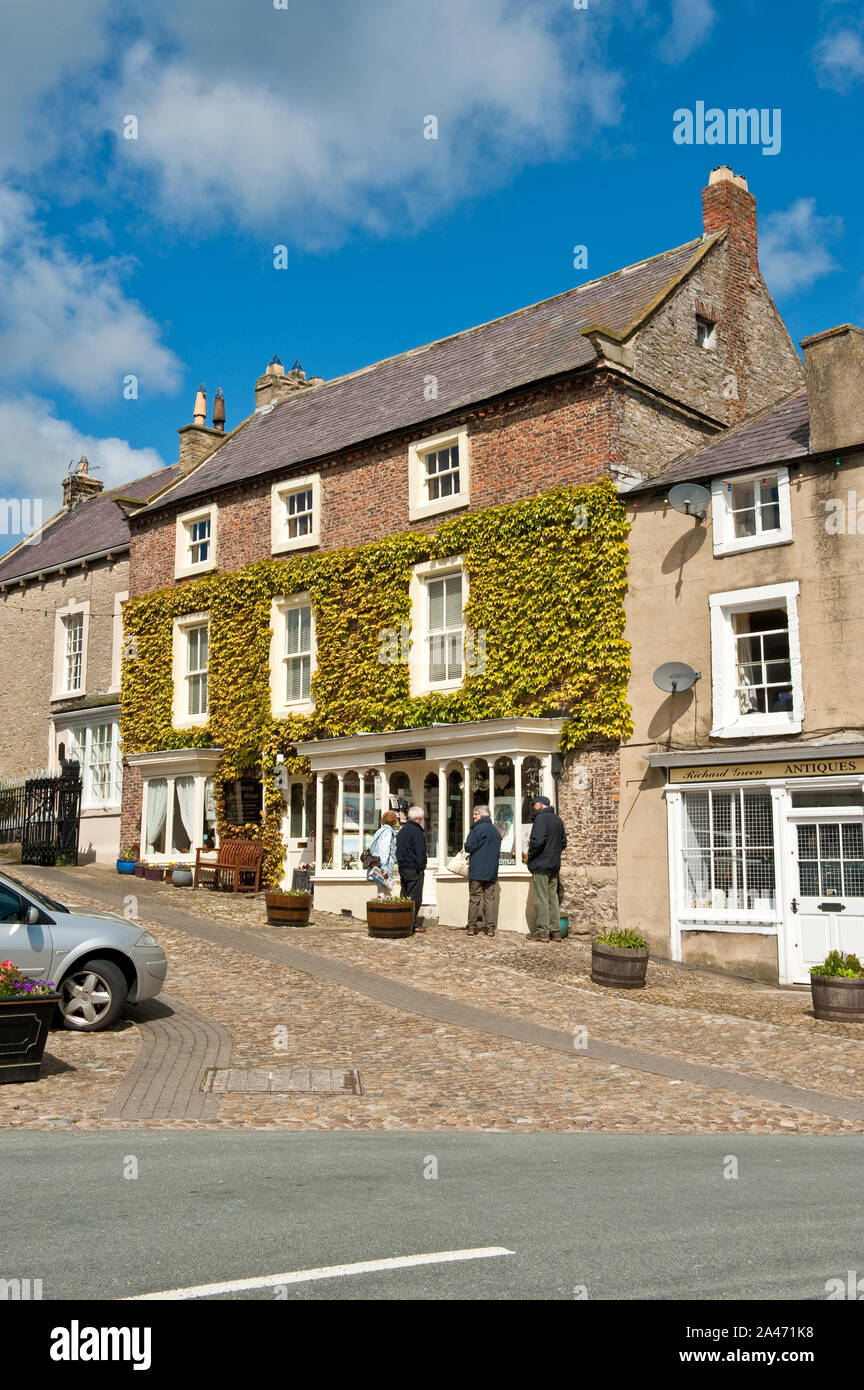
43,812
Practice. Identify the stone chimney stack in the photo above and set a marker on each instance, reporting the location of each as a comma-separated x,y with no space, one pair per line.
834,370
198,440
277,385
79,486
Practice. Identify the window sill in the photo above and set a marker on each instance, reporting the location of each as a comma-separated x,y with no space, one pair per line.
310,542
419,511
766,726
191,722
187,571
768,540
286,711
439,688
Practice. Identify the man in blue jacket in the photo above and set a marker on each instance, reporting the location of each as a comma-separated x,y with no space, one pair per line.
548,839
483,848
411,859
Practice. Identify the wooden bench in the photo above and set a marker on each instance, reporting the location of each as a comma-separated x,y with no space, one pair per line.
238,858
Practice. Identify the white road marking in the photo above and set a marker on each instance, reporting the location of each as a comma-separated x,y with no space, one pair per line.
304,1276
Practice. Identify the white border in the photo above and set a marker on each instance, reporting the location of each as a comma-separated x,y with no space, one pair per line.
279,609
725,541
280,541
417,507
59,691
182,568
728,722
179,719
417,657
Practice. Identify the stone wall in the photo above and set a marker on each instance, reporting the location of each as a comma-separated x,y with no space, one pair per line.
588,791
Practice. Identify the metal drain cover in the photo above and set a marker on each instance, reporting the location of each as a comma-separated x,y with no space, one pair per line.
256,1081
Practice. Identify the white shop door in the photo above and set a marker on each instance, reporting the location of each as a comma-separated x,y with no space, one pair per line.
827,909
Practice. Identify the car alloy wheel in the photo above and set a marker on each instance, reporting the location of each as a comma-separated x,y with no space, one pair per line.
92,996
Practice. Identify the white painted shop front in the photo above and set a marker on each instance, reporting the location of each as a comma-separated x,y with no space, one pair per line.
445,768
768,842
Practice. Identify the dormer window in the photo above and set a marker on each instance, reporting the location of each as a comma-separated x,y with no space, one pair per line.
706,332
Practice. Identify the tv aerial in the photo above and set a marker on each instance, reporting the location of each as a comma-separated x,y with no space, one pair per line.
690,498
675,676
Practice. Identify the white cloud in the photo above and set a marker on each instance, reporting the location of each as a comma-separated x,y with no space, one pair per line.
691,23
310,120
840,60
793,246
69,320
36,448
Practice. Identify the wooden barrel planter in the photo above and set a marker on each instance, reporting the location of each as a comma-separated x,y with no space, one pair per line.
389,918
837,999
619,967
288,909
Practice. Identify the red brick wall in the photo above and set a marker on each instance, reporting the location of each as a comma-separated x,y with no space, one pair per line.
130,813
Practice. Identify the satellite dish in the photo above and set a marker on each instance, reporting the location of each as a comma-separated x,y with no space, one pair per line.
675,676
690,498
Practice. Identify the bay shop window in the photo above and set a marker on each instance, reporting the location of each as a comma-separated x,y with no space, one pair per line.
178,811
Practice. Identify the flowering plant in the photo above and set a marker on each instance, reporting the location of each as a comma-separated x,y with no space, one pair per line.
14,984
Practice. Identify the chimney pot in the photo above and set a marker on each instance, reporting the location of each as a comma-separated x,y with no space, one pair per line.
219,410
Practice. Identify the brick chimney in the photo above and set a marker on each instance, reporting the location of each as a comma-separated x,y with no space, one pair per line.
834,370
728,204
198,440
276,384
79,486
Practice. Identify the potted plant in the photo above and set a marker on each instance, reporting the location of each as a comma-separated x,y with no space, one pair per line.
390,917
154,872
619,959
182,876
26,1010
837,987
289,909
127,859
140,868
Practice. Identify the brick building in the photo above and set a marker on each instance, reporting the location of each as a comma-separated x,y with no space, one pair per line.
742,803
61,596
610,380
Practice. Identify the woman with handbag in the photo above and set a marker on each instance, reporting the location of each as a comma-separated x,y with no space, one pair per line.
380,857
483,847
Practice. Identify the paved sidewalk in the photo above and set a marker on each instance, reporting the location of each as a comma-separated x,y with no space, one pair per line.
502,1054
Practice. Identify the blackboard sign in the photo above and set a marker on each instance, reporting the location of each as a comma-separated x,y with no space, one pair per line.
405,755
243,801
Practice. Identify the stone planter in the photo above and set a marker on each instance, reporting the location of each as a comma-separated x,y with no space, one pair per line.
155,875
125,866
24,1025
288,909
618,967
182,878
388,919
837,999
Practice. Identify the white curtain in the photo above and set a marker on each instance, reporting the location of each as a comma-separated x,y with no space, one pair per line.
185,790
157,807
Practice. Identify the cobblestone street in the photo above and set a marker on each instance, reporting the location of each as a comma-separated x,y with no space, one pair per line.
419,1072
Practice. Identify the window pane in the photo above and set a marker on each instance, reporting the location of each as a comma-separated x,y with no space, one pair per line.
296,828
728,845
436,604
454,601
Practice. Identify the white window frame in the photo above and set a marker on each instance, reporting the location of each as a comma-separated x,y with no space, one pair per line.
60,689
419,505
181,717
280,540
725,540
183,565
117,641
169,855
81,733
709,342
418,658
280,707
728,721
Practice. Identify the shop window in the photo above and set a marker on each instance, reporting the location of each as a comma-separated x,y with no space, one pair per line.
479,783
208,829
430,814
751,510
329,806
183,822
401,796
728,850
157,813
503,807
456,834
370,807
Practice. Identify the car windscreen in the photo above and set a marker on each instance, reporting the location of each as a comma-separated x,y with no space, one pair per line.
41,898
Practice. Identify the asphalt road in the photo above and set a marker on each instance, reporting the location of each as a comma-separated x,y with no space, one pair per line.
624,1217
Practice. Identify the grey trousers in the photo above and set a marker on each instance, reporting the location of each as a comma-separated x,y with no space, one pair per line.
481,904
544,889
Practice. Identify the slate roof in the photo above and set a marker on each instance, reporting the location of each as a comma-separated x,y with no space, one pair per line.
774,435
529,345
95,525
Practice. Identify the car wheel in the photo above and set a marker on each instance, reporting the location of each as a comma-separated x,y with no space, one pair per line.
92,996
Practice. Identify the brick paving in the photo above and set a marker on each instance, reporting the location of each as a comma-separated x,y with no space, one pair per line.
508,1065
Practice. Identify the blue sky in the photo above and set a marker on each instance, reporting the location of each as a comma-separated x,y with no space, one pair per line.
303,126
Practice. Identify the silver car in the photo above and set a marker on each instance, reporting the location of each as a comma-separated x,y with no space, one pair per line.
97,961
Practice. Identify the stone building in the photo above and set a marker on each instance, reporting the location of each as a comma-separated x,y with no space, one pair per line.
742,797
610,380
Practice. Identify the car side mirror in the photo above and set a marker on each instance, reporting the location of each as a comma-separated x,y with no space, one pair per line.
33,915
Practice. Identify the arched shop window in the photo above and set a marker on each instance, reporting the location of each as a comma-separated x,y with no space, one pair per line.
330,801
430,809
351,821
479,783
503,807
370,808
400,789
455,812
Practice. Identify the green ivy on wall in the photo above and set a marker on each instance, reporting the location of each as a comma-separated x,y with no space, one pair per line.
547,578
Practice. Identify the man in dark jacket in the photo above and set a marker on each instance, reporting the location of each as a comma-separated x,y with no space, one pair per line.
411,859
548,839
483,848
